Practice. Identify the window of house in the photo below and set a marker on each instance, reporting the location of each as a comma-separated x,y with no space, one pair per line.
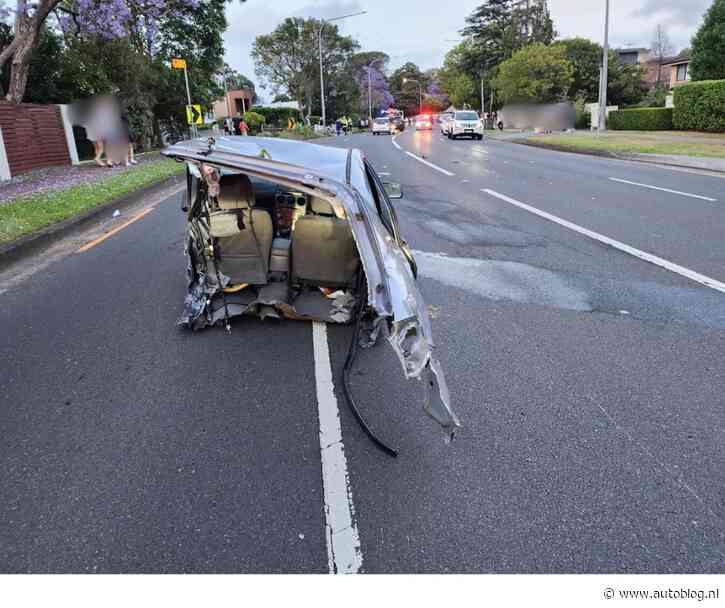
683,72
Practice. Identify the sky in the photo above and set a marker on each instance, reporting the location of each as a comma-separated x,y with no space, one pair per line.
422,31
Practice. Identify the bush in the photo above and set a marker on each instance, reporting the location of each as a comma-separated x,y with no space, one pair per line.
277,117
254,121
641,119
583,121
700,106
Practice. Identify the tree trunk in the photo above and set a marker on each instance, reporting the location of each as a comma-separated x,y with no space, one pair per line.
20,68
26,33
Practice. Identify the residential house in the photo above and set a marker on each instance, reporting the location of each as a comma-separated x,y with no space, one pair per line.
634,56
677,70
233,103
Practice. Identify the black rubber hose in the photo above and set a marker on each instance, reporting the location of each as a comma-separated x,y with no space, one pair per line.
347,368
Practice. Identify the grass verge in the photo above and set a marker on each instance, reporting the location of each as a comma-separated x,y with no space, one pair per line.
624,144
29,214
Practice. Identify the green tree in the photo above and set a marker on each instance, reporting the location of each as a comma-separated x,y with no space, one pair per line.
461,89
535,74
405,90
287,60
501,27
625,81
708,45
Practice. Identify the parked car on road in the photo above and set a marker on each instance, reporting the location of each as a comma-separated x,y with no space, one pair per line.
465,123
289,229
382,126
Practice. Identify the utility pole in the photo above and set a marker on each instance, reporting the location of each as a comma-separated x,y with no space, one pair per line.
483,101
370,89
604,77
319,42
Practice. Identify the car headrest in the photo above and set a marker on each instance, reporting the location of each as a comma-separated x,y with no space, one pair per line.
235,192
319,206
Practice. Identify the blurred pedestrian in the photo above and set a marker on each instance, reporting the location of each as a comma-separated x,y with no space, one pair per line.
338,127
127,135
236,121
243,127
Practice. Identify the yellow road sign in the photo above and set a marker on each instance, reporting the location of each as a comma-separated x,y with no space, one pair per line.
291,123
178,64
194,115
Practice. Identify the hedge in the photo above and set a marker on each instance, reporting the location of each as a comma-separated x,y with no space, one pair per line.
641,119
700,106
276,117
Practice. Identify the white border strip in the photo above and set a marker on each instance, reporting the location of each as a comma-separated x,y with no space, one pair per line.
344,555
643,255
624,181
431,165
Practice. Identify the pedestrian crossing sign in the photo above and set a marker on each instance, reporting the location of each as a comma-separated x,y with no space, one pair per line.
194,115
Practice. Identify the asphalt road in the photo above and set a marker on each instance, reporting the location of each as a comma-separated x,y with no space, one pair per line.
589,382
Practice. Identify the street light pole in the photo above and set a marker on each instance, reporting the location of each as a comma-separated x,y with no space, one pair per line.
319,41
370,87
604,77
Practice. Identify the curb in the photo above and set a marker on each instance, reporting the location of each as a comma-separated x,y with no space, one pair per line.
614,156
32,243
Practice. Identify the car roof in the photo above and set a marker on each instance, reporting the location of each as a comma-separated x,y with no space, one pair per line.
322,160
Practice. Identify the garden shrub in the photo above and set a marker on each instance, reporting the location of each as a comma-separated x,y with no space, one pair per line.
700,106
641,119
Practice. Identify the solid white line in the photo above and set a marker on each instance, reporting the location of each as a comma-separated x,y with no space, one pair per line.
395,143
624,181
431,165
344,555
643,255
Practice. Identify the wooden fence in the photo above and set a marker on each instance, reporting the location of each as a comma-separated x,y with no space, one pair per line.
34,136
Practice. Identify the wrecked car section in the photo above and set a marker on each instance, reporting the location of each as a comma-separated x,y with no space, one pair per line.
392,297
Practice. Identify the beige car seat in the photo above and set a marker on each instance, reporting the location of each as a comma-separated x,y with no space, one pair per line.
323,248
243,234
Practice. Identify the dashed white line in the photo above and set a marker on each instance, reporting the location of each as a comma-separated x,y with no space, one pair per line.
625,181
396,144
431,165
344,555
643,255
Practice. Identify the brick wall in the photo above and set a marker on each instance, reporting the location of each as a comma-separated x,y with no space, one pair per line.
33,136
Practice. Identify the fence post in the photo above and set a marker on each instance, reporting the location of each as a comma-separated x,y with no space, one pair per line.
4,165
69,137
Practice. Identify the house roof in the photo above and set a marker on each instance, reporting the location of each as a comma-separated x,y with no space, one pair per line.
677,59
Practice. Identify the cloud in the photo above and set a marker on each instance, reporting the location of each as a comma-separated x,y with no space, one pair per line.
673,12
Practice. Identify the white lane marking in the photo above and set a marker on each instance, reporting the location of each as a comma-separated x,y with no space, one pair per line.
395,143
624,181
344,555
431,165
383,173
643,255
